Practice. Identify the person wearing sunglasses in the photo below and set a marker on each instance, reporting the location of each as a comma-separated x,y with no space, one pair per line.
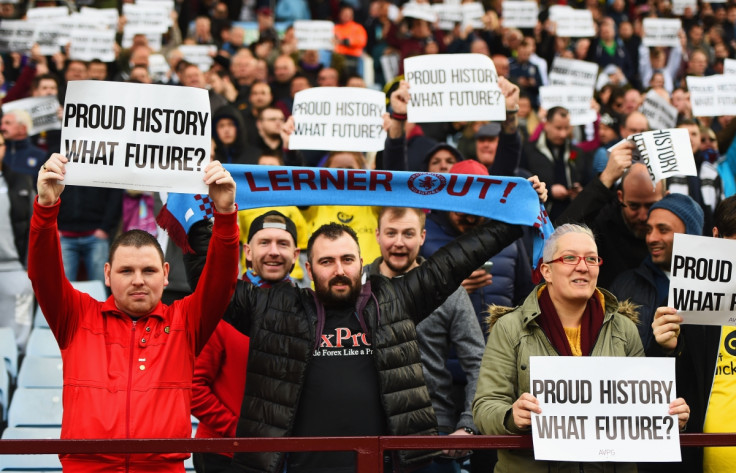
566,315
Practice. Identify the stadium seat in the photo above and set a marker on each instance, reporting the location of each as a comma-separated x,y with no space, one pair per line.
42,343
4,395
34,407
96,289
40,372
39,321
29,463
9,351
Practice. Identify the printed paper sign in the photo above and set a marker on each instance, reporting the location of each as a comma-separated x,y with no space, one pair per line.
453,88
51,36
200,54
421,11
679,6
448,15
519,14
604,409
148,15
136,136
571,22
661,31
729,66
702,286
153,35
87,45
472,15
167,4
46,13
712,96
107,17
665,153
43,112
158,67
572,71
575,99
338,119
659,112
16,36
315,34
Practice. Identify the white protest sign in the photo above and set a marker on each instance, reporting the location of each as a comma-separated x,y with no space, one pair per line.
42,111
167,4
157,67
46,13
573,23
661,31
87,45
600,408
390,66
575,99
108,17
472,15
421,11
51,36
567,71
317,34
665,153
136,136
448,15
712,96
200,54
729,66
658,110
338,119
702,286
148,15
679,6
16,36
519,14
453,88
153,35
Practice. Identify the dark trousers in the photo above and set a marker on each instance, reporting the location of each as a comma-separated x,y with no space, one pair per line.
210,462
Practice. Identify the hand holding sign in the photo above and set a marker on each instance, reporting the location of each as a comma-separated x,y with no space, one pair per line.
50,185
222,187
679,408
619,160
522,410
666,328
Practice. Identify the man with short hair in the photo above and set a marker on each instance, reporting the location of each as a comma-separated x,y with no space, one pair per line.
46,85
284,70
259,98
328,77
269,123
128,361
452,326
648,284
343,360
22,156
219,371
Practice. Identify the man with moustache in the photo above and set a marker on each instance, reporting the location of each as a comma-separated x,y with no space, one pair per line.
343,360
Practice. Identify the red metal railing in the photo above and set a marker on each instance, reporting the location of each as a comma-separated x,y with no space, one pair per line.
369,450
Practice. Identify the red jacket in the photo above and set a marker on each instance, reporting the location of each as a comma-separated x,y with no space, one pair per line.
126,378
219,383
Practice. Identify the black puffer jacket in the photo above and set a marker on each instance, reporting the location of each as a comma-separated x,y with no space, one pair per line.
281,323
21,194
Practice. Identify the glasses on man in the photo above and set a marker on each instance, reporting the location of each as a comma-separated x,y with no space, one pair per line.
574,260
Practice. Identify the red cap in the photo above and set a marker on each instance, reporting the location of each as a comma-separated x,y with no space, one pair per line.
469,166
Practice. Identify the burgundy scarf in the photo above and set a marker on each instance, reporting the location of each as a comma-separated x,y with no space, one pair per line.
552,327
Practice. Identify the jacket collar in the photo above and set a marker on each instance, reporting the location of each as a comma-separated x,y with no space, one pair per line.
109,308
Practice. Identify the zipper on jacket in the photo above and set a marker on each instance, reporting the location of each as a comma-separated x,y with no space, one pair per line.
128,392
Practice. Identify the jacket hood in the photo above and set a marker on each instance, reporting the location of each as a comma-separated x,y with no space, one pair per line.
228,111
612,305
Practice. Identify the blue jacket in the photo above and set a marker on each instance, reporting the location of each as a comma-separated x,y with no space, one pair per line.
23,157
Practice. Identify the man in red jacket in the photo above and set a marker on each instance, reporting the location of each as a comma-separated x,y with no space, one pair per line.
219,371
128,361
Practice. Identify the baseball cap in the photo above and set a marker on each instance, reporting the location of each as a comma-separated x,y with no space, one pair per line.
272,219
489,130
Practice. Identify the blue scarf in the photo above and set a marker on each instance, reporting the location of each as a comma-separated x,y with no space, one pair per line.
508,199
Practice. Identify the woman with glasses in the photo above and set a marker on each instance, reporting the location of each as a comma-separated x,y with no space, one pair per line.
566,315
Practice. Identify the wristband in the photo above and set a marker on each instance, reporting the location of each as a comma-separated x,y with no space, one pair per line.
398,116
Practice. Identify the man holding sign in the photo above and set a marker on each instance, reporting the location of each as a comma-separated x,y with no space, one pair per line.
128,361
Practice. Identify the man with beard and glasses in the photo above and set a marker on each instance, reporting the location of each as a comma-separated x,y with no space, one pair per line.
343,360
451,327
219,371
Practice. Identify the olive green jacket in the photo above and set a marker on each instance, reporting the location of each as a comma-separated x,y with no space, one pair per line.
504,374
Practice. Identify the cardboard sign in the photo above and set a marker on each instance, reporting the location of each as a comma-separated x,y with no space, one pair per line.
519,14
453,87
16,36
712,96
43,112
421,11
87,45
338,119
575,99
315,34
702,286
659,112
200,54
604,409
661,31
664,152
571,22
136,136
573,72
